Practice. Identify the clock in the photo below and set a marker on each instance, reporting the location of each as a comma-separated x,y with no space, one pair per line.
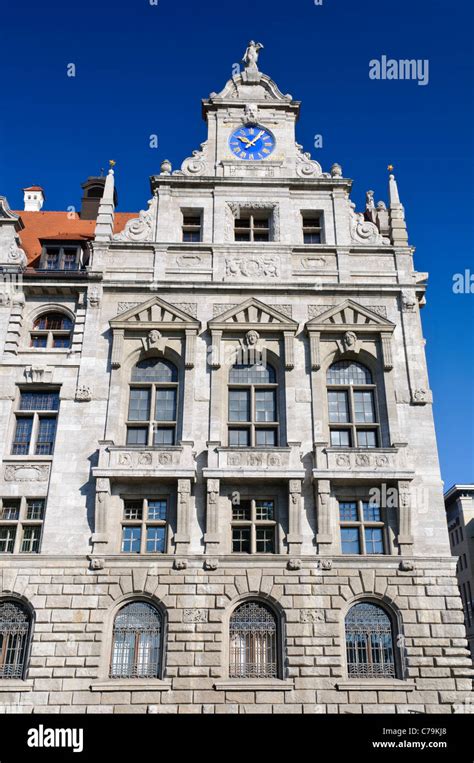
252,142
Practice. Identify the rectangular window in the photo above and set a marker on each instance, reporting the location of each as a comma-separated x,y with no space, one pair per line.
7,539
164,436
192,227
252,227
139,404
253,527
239,405
165,404
265,405
364,407
311,228
366,438
144,526
340,438
239,438
35,433
21,525
362,528
31,539
131,539
266,437
338,407
61,257
137,435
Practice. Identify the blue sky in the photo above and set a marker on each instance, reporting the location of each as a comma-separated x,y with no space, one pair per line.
142,69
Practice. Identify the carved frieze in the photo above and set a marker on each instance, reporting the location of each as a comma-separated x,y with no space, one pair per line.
257,460
27,472
253,267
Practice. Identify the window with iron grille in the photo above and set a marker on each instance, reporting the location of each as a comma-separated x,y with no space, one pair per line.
369,642
192,226
52,331
253,527
252,410
144,526
363,528
352,406
21,525
252,226
15,626
253,640
35,426
153,403
136,643
312,227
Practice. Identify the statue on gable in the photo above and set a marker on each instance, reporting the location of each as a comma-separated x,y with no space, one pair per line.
250,58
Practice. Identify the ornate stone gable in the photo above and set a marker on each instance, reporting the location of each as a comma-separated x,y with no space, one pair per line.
349,315
254,314
154,311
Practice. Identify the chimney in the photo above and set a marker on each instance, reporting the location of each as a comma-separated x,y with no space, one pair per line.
34,198
93,190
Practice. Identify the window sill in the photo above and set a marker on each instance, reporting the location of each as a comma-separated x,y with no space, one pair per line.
131,684
6,684
376,684
254,684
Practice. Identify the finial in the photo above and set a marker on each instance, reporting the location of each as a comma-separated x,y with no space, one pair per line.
390,167
165,167
112,163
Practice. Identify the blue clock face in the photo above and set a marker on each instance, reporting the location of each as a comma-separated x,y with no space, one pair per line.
252,142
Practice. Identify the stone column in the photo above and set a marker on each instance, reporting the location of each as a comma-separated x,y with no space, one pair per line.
294,537
182,536
405,537
212,537
322,497
100,536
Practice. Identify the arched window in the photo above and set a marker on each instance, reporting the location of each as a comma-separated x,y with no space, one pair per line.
52,330
153,403
253,408
253,642
352,406
369,642
15,625
136,648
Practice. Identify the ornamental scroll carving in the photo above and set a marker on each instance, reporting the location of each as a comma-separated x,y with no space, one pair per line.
362,231
141,228
305,166
195,164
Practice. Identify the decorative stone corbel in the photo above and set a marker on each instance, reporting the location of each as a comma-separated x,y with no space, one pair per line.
215,356
155,341
38,374
83,394
421,396
117,347
190,349
315,350
323,494
289,350
349,343
387,352
182,536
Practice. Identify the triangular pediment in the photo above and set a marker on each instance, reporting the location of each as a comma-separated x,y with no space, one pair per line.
253,313
154,311
350,314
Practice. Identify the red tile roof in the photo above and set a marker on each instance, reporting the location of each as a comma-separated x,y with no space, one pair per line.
60,225
34,188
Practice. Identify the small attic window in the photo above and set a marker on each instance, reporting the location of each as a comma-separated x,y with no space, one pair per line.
61,257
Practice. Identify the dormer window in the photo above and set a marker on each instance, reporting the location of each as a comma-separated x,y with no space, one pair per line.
61,257
312,228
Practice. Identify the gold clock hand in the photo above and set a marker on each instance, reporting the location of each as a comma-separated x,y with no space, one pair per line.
252,142
244,140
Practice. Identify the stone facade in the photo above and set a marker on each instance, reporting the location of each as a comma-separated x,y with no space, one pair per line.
145,293
459,502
